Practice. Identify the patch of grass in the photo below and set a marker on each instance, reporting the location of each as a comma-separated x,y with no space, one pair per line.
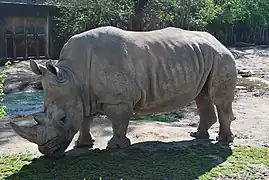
239,161
155,117
201,161
14,163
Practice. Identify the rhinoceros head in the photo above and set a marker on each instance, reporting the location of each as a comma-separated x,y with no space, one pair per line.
62,114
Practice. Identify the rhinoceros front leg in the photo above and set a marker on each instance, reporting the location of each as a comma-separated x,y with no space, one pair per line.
119,116
85,138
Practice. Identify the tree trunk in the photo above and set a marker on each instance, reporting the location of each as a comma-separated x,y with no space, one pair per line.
135,23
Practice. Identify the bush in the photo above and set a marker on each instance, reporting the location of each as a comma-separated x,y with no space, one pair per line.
2,80
78,16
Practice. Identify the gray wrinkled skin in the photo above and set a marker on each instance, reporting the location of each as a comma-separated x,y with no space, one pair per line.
121,72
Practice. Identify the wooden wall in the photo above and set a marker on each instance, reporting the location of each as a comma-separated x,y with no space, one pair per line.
26,37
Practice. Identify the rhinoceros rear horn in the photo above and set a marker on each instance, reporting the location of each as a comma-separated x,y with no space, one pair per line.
27,132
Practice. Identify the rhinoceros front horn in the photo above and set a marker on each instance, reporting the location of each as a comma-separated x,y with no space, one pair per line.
27,132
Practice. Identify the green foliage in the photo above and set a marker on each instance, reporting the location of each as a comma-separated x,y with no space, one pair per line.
156,117
78,16
2,80
216,16
227,13
91,14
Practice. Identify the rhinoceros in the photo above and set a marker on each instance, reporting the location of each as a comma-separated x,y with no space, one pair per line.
121,73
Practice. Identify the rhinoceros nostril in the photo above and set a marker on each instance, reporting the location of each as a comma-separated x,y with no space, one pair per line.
43,150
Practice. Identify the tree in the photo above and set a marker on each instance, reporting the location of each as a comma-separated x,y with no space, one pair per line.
228,20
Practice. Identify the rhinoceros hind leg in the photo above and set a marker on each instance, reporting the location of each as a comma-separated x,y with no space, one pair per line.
222,93
226,116
206,111
85,138
119,115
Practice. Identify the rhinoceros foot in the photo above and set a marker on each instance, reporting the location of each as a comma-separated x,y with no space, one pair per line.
85,142
228,138
200,135
118,142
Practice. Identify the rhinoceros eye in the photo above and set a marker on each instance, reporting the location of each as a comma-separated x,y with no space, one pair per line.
63,119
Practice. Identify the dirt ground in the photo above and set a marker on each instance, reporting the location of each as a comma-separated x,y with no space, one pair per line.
251,108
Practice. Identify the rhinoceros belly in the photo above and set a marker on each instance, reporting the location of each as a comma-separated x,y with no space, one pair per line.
163,93
166,104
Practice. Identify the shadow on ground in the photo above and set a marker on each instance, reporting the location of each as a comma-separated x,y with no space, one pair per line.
6,131
146,160
21,81
187,111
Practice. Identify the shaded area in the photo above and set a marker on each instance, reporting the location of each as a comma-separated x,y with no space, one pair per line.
21,80
6,131
146,160
185,116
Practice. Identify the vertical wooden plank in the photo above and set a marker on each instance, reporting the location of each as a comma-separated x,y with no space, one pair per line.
47,55
1,38
26,39
5,39
263,39
36,38
50,37
37,48
14,38
5,45
232,35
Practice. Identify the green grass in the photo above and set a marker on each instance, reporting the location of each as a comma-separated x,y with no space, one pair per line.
238,163
201,161
155,117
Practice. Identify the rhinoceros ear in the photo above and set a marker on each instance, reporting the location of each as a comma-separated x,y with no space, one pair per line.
53,69
37,68
60,75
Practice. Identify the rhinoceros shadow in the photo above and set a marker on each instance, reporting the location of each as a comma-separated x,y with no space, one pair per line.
145,160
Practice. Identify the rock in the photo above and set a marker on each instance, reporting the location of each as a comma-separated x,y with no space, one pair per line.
237,54
260,171
243,44
258,79
245,73
241,87
36,85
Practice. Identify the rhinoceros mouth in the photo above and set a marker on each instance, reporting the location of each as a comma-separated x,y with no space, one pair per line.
54,147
